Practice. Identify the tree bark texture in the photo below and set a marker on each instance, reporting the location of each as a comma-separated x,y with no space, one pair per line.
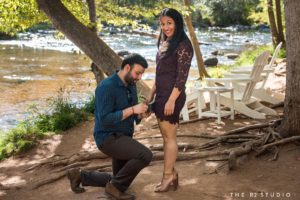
291,120
279,23
88,41
273,26
98,73
188,20
92,14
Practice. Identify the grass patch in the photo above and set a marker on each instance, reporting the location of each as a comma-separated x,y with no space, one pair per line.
282,53
219,71
19,139
248,57
61,116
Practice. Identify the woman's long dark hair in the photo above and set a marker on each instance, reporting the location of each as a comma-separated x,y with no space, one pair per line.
179,34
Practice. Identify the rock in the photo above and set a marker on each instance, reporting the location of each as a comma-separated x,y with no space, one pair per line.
215,53
280,69
213,61
219,52
242,28
263,28
113,32
123,53
232,55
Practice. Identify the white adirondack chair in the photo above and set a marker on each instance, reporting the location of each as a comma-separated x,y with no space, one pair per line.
260,91
243,101
195,98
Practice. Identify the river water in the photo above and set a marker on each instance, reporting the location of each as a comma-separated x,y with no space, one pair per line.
35,67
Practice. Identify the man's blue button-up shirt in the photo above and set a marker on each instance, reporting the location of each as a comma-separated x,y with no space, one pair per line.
111,98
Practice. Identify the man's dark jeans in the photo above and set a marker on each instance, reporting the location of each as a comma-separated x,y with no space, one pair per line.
129,157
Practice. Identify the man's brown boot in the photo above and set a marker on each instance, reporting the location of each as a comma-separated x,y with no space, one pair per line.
111,190
75,180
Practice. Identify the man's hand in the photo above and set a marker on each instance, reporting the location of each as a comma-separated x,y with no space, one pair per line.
140,108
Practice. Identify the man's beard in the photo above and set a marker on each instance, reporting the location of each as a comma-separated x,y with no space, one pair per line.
129,80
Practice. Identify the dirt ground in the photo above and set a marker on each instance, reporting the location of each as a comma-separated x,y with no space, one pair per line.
199,179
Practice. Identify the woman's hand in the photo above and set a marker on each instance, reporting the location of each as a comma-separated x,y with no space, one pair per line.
144,115
169,107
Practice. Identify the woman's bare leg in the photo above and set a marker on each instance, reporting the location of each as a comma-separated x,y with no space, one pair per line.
168,132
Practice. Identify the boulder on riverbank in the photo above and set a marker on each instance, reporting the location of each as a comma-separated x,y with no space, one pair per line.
210,62
232,55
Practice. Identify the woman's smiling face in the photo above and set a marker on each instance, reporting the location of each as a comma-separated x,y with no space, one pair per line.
167,25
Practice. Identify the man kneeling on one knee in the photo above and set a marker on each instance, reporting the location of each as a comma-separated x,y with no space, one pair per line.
116,110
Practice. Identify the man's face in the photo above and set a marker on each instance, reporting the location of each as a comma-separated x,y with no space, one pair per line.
134,74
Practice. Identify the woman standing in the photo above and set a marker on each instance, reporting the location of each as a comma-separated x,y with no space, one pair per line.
173,61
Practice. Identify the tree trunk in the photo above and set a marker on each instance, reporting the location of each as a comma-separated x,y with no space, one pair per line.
291,119
98,73
273,26
279,23
92,15
88,41
188,20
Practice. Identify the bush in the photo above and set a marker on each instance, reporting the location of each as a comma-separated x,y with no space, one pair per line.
89,107
282,53
231,12
19,139
66,119
62,116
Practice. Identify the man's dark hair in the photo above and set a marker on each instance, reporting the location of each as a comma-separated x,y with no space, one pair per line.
179,34
134,58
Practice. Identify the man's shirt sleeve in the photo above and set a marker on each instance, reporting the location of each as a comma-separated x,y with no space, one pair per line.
105,100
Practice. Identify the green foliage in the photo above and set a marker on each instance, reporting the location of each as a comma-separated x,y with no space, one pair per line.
62,116
59,36
19,139
218,72
79,9
282,53
201,15
18,15
248,57
132,13
230,12
89,107
259,15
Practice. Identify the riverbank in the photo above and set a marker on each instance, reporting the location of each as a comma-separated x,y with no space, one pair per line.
36,65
